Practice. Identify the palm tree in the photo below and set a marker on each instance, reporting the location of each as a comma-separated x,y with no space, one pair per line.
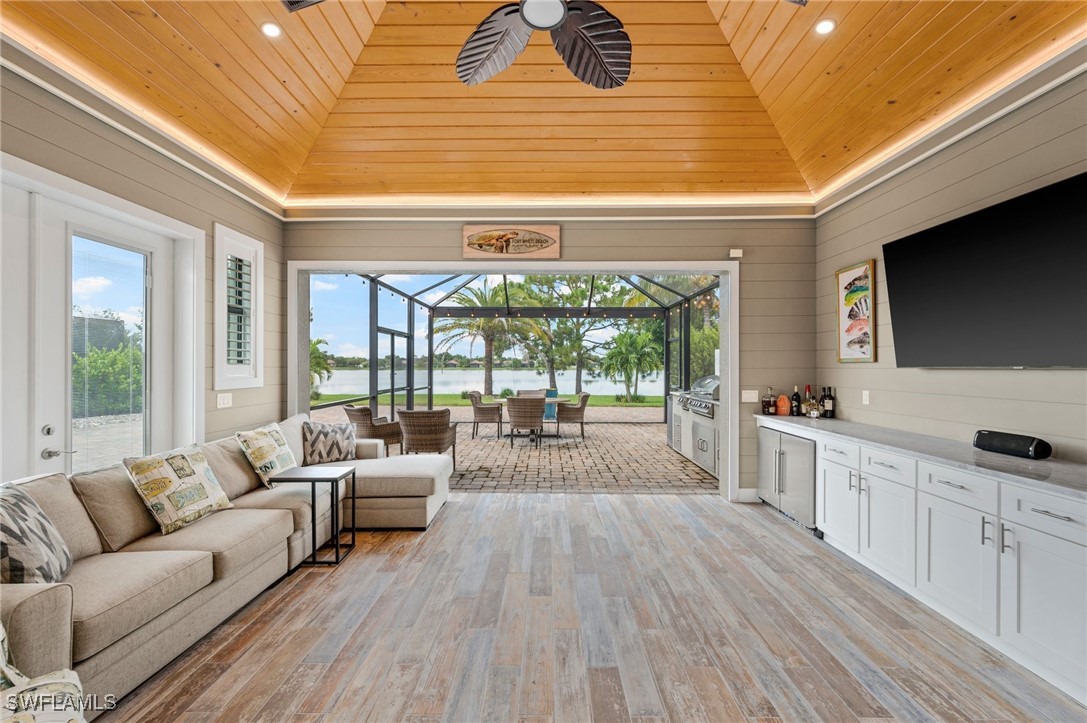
496,332
319,368
631,355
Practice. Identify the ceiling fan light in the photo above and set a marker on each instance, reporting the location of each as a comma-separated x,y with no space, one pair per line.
271,30
543,14
825,27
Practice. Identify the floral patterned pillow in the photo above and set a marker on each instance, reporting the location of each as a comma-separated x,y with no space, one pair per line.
268,452
178,487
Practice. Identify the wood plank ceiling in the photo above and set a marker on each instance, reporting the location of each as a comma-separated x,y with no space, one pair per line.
358,101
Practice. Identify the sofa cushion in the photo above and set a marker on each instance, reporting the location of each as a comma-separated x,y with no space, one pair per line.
31,547
291,429
324,443
59,502
268,451
233,537
114,507
292,497
231,466
118,592
178,486
413,475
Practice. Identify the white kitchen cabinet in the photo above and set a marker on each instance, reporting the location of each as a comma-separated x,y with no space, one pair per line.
888,527
957,559
837,509
1043,596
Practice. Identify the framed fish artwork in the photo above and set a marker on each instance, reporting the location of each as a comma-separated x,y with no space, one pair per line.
511,242
856,310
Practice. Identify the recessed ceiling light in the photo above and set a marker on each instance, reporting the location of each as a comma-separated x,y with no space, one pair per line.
543,14
825,27
271,30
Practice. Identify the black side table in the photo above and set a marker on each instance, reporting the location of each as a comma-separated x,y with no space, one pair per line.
314,476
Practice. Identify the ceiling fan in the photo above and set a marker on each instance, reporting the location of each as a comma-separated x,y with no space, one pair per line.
589,39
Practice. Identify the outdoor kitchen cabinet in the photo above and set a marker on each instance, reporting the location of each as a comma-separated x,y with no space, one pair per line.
786,474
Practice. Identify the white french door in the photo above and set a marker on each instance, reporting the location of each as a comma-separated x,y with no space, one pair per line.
101,357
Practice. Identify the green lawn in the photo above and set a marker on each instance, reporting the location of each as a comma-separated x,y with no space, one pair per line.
454,400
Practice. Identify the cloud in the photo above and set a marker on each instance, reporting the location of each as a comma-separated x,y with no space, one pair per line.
319,285
433,296
89,285
397,278
601,335
326,337
352,350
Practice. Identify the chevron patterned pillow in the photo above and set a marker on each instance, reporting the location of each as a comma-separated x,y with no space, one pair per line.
31,548
328,442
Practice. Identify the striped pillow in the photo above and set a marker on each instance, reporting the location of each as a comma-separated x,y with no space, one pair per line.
31,547
323,443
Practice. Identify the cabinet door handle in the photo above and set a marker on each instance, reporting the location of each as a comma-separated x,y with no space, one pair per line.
1054,515
835,450
851,481
950,484
781,479
984,539
860,484
1004,546
884,464
777,470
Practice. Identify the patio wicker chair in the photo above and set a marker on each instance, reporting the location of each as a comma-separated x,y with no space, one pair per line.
531,392
485,414
428,431
367,427
526,413
573,412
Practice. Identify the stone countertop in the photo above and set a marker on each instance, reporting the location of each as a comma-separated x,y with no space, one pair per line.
1047,475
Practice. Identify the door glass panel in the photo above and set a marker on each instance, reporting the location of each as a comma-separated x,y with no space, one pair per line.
109,363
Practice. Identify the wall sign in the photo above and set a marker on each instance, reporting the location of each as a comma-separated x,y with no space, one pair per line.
505,242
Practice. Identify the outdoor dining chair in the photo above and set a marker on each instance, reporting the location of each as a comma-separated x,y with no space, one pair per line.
485,414
526,414
367,427
573,412
428,431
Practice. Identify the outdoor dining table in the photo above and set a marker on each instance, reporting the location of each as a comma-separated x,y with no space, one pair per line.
550,400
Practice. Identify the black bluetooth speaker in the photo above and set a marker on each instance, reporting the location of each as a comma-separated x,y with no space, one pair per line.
1017,445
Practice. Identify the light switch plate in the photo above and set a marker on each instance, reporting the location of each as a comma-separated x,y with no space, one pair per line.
224,401
749,395
865,399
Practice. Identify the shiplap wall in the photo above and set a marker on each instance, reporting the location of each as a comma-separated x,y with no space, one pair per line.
776,289
1041,143
45,130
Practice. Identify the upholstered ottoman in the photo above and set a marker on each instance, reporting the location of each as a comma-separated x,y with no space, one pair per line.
402,492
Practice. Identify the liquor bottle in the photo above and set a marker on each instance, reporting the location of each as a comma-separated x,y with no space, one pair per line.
828,405
807,403
768,401
822,400
794,409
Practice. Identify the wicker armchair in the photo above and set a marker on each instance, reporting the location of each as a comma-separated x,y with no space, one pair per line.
367,427
573,412
526,413
484,414
531,392
428,431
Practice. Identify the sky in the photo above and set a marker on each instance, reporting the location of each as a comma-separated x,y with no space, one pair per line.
340,306
106,277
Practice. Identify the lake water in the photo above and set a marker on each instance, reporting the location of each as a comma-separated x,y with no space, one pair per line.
454,381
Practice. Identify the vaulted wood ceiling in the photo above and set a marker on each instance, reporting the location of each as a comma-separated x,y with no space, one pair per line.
358,101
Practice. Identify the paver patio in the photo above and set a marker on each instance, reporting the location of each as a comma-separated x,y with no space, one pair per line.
613,458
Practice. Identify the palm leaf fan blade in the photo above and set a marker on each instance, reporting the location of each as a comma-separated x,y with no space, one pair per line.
493,46
593,45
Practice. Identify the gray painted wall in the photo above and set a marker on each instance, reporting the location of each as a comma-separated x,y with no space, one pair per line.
776,290
45,130
1043,142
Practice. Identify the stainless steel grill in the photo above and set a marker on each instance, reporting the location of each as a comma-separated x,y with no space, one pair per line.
701,397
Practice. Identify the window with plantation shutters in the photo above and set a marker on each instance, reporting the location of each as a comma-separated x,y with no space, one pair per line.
239,311
239,275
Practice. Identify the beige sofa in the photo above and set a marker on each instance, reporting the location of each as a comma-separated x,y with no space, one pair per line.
135,599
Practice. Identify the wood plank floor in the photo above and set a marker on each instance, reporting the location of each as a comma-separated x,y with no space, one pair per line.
541,607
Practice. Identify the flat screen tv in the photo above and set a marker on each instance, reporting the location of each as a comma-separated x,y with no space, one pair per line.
1002,287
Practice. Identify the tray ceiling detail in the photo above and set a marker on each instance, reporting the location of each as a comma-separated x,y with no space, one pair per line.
359,102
